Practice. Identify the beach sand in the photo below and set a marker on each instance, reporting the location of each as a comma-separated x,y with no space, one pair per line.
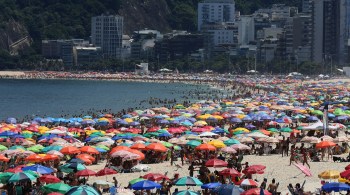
276,167
12,73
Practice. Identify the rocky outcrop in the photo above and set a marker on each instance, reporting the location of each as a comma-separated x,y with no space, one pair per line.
151,14
14,37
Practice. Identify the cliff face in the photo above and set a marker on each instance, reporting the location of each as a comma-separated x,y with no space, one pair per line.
139,14
14,37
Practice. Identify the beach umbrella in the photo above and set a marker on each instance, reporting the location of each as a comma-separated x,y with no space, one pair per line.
240,147
225,189
56,187
70,150
329,174
186,192
286,129
89,150
136,180
49,179
76,160
106,171
255,169
34,158
230,172
230,142
303,169
138,146
188,181
205,147
325,144
211,185
145,185
2,148
216,163
4,177
217,143
156,147
52,147
21,176
335,186
70,167
83,189
4,158
345,174
256,191
193,143
249,182
155,177
228,150
85,173
39,169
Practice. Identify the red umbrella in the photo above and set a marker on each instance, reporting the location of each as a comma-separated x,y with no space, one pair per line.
155,177
89,150
216,163
156,147
206,147
345,174
16,169
70,150
255,169
138,146
85,172
248,182
49,179
230,172
106,171
256,191
347,167
304,169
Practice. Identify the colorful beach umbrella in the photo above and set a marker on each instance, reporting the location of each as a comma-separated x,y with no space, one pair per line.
188,181
56,187
84,189
145,185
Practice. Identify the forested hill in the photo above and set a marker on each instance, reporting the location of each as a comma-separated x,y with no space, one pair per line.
60,19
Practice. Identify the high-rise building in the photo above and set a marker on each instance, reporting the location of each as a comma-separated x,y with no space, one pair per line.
328,30
107,33
215,11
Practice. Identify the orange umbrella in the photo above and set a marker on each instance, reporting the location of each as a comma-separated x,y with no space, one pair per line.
70,150
89,150
86,156
207,147
138,146
156,147
265,132
48,157
325,144
117,148
3,158
34,158
142,155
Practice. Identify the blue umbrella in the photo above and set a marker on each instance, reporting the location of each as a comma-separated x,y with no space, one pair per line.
228,189
235,120
11,121
163,122
335,186
211,185
312,118
247,119
7,134
145,185
39,169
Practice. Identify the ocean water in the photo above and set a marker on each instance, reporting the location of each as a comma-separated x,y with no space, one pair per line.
56,98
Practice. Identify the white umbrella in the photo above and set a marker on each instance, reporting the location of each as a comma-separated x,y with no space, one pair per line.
240,147
229,150
257,135
207,134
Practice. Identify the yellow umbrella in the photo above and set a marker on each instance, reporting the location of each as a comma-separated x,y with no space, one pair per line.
103,119
241,129
200,123
128,120
217,143
329,174
240,116
218,117
204,116
343,180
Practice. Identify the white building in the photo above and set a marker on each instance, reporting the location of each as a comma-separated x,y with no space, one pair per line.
215,11
107,32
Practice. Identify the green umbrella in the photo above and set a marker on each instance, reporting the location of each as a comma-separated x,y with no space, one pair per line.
193,143
230,142
167,144
272,130
27,135
186,192
135,180
35,149
4,177
56,187
177,148
162,131
151,134
79,190
102,147
70,167
21,176
50,148
188,181
317,112
2,148
17,147
31,173
286,129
